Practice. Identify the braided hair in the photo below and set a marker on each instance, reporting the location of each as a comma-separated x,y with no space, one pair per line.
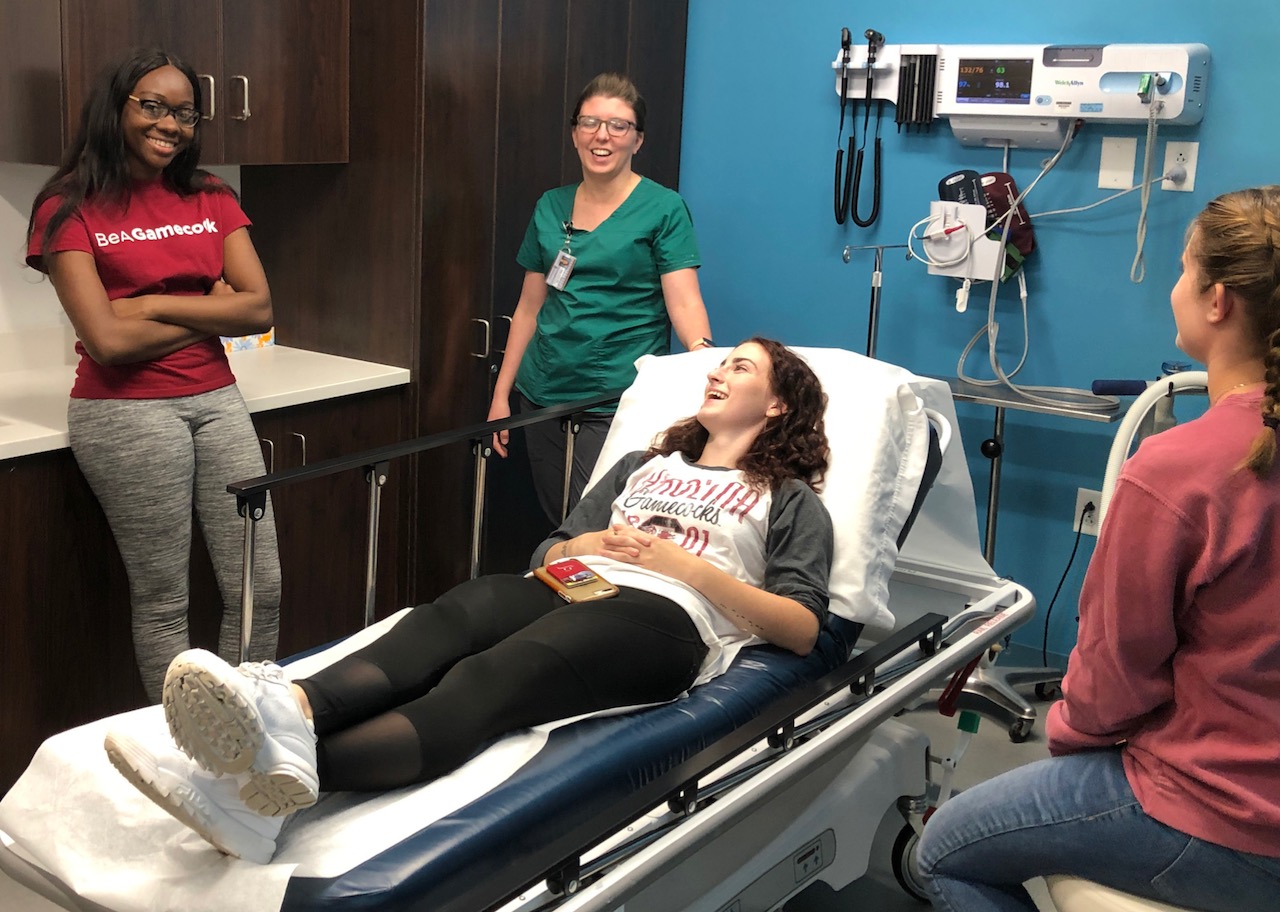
792,444
1236,243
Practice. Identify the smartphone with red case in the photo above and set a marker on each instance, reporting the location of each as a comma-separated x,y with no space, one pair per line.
574,581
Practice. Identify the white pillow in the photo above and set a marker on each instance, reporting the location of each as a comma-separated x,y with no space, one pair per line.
879,444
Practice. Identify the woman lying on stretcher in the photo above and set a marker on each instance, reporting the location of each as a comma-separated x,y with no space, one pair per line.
714,538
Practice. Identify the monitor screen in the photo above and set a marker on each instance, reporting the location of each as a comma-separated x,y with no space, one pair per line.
983,81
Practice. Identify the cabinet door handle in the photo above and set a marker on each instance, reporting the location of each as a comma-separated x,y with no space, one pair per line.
271,454
488,337
213,97
244,105
503,350
304,446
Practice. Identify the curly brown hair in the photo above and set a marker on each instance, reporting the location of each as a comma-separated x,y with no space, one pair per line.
1236,242
792,444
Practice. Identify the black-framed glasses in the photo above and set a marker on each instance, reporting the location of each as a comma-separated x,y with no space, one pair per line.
158,110
615,125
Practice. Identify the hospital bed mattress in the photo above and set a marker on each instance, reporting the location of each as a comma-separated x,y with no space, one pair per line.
572,793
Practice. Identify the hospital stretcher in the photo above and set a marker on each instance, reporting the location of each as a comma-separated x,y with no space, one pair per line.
750,788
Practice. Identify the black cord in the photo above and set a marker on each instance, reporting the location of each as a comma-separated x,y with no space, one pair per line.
1044,643
874,40
854,203
842,169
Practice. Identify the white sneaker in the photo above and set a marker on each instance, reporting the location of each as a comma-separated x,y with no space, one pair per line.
244,720
204,802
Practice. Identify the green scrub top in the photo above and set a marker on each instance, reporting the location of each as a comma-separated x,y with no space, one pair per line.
611,311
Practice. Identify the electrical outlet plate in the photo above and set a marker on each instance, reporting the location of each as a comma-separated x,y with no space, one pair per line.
1090,523
1115,168
1182,154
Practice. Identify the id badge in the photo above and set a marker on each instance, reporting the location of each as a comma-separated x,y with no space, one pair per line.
561,269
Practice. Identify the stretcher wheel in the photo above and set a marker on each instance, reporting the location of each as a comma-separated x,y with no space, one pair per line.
1021,730
905,868
566,879
1048,691
562,884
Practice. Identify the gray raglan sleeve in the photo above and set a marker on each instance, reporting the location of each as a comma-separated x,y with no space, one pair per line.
593,511
799,548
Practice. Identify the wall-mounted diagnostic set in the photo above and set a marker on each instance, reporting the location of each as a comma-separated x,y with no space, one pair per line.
1006,96
1026,95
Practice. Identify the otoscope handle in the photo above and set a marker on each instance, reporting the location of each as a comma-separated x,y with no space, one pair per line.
1119,387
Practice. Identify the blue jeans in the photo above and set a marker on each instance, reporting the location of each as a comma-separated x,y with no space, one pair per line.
1077,815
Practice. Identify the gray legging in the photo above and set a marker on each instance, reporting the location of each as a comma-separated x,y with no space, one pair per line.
149,461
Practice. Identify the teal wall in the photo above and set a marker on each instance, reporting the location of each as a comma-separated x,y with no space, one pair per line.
759,139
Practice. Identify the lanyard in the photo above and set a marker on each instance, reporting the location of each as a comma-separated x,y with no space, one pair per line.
562,268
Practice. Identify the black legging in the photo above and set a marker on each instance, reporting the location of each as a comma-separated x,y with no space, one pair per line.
488,657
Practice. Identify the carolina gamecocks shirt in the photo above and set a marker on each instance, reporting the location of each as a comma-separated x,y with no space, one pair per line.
779,541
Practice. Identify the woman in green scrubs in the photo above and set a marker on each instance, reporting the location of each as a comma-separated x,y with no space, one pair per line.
610,269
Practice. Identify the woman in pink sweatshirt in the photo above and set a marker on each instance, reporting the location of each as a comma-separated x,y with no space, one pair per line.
1165,775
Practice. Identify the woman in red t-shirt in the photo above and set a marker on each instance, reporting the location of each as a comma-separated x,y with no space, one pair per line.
152,261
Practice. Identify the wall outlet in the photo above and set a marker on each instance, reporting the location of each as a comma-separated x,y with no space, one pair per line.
1089,525
1180,155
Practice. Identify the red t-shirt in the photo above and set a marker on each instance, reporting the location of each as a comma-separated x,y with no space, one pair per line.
158,243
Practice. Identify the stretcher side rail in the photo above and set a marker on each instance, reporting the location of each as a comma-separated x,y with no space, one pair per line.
1005,607
999,607
251,494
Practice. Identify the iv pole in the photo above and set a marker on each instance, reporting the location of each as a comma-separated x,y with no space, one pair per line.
877,275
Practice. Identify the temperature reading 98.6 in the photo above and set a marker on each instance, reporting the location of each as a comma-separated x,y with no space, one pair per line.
994,81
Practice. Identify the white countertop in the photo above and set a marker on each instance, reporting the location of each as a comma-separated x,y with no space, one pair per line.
35,383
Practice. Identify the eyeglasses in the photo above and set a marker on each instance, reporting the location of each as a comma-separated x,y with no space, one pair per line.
616,125
158,110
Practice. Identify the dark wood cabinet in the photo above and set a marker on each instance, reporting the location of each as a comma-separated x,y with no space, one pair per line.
274,75
64,609
283,92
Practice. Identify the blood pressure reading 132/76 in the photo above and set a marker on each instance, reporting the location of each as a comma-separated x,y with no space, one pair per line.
994,81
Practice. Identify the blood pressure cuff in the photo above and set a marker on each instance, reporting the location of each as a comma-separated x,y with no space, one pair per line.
1000,192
